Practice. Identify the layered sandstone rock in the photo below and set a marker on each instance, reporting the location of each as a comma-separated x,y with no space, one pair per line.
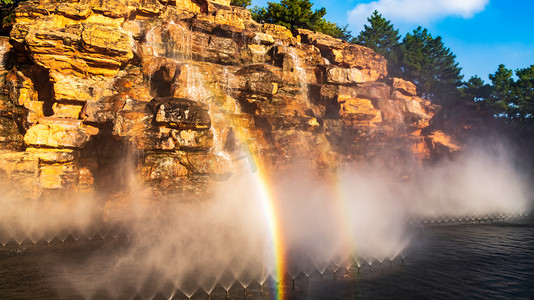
175,91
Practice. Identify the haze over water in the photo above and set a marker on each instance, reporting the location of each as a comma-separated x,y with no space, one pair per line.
343,221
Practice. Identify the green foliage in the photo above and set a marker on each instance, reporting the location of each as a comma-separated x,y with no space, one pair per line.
383,38
431,66
501,98
512,99
420,58
242,3
426,61
333,30
288,13
524,93
475,90
7,16
295,14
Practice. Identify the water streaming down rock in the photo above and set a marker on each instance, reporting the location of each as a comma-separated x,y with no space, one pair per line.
169,120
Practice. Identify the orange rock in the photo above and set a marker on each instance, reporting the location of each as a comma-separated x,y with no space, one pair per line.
405,87
74,11
52,155
90,48
234,17
206,163
35,111
72,87
359,110
222,2
22,175
55,135
5,48
184,80
337,75
162,167
10,136
347,55
58,176
438,141
62,110
420,149
279,32
86,180
21,88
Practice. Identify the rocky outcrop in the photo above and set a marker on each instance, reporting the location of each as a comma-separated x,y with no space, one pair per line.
176,90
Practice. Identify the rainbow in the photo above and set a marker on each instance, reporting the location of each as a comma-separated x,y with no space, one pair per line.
268,204
341,200
274,221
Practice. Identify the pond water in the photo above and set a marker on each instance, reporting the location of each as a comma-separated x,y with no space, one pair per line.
451,261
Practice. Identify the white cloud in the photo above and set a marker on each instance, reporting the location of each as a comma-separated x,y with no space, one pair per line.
419,12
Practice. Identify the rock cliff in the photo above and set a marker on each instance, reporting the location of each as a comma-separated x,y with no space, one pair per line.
174,91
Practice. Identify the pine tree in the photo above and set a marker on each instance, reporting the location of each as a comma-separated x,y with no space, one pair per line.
431,66
502,97
383,38
295,14
289,13
333,29
242,3
524,92
475,90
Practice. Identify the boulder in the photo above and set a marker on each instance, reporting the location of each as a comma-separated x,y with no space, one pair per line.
180,113
162,167
337,75
405,87
51,156
21,88
439,142
75,49
358,110
373,90
10,136
6,55
67,110
258,79
185,88
57,133
74,11
346,55
206,164
58,176
20,172
187,140
279,32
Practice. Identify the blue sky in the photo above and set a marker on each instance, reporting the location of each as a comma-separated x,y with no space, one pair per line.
481,33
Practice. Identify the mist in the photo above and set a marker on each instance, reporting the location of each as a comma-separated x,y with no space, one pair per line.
361,214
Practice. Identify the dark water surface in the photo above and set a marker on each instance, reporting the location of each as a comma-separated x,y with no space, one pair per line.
461,261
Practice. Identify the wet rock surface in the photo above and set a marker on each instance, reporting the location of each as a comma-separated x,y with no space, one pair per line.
184,86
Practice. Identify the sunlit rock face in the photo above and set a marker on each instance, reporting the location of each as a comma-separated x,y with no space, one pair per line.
175,91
